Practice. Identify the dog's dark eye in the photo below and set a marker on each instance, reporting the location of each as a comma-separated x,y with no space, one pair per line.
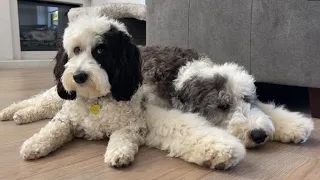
100,50
224,107
76,50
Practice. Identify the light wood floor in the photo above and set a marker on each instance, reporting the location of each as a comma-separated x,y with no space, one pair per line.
82,159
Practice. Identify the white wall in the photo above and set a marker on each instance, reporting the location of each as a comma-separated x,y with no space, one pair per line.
6,50
99,2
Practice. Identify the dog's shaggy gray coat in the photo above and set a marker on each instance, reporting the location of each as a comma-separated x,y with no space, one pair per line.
210,97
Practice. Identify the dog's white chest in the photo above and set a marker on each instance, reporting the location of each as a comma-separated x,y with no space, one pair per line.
98,119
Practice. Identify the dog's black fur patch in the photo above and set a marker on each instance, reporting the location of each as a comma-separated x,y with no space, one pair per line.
61,59
121,60
210,97
161,66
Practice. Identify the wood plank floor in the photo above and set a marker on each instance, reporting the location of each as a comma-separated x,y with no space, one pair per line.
82,159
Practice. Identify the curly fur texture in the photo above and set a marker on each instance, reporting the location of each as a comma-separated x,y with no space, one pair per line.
224,94
109,66
193,108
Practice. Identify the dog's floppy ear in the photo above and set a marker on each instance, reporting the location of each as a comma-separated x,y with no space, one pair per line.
126,76
60,60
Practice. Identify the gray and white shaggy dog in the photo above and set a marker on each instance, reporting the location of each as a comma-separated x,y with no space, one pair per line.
169,98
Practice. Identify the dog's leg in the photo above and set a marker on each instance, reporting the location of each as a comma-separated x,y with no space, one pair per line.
192,138
123,145
56,133
289,126
46,109
8,112
42,106
32,114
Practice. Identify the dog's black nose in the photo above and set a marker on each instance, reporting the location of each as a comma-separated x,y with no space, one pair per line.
80,77
258,136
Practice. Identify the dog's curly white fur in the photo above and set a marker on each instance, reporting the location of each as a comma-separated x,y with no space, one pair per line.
100,66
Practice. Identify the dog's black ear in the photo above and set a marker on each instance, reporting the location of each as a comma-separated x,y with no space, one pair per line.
127,77
60,60
64,94
120,58
124,71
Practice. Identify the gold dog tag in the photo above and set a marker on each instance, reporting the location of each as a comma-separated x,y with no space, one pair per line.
95,109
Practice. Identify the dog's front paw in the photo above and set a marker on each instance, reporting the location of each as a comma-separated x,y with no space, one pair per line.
6,114
223,156
30,150
20,118
28,114
219,154
121,157
296,131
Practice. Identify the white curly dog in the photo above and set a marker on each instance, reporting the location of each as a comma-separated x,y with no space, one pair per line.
98,72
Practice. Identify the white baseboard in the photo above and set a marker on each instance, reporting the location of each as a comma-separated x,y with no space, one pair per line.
15,64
